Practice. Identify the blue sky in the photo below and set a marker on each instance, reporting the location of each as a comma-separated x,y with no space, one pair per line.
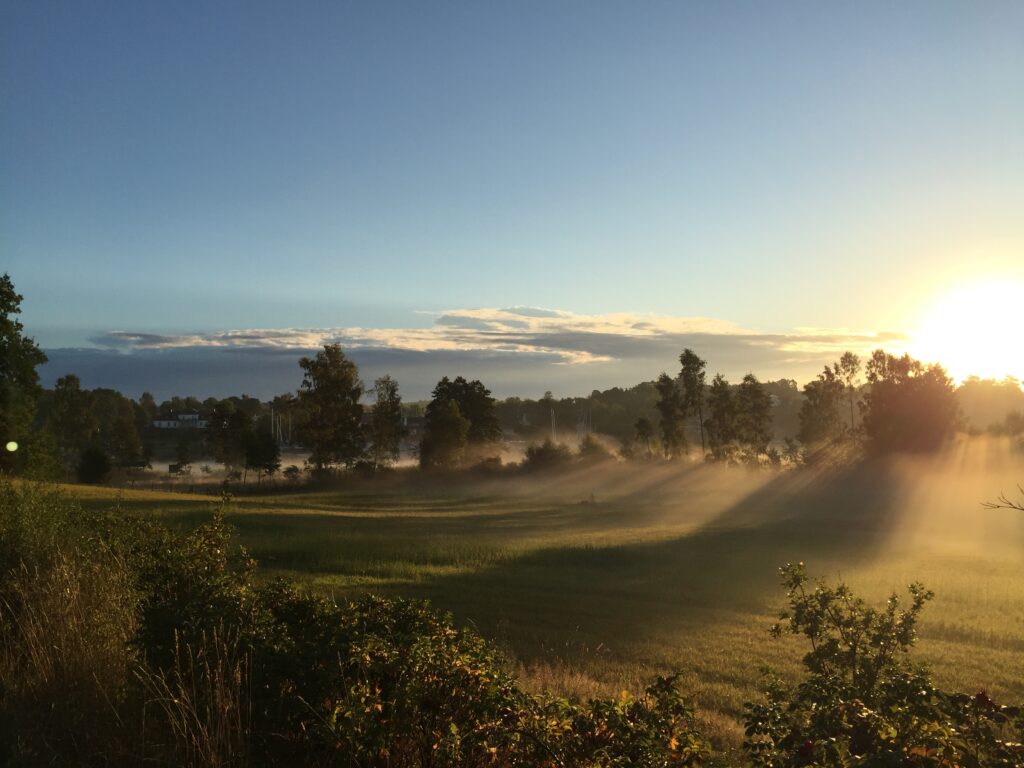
183,169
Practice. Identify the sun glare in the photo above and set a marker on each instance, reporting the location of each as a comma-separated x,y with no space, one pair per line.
975,331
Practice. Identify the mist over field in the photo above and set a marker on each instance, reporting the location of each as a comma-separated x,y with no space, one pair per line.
595,579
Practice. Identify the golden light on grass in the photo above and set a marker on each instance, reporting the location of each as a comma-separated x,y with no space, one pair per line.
975,330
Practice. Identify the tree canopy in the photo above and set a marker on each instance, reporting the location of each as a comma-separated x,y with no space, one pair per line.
386,424
908,406
19,380
460,415
692,383
331,413
671,421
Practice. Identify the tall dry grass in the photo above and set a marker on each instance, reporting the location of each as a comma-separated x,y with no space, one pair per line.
65,654
202,704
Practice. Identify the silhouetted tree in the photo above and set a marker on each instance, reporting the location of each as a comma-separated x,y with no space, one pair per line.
122,440
331,413
93,465
643,433
692,381
908,406
819,414
475,404
262,453
847,370
71,420
386,423
145,412
440,446
445,436
721,421
670,422
19,380
753,414
228,432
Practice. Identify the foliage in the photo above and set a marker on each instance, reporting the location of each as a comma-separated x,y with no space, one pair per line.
386,423
753,414
460,422
547,455
71,420
643,433
94,465
262,453
445,436
475,405
820,419
847,370
150,646
228,433
332,416
122,439
721,421
826,399
671,417
908,406
988,402
692,383
593,450
19,381
863,703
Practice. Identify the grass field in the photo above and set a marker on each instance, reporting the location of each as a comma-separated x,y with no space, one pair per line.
596,581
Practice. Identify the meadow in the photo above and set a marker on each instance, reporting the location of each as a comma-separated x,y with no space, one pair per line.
597,579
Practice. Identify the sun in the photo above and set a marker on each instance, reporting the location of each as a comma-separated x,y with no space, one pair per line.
977,330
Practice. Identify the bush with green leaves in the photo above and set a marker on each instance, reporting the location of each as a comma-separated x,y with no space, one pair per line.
863,701
126,643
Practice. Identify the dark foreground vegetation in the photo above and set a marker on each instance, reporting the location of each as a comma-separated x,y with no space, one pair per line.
127,643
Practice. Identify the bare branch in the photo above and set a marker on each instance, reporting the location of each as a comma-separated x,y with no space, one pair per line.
1005,502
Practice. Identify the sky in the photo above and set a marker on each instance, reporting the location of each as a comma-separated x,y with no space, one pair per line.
550,196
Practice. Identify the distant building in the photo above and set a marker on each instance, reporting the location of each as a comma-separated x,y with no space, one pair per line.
182,420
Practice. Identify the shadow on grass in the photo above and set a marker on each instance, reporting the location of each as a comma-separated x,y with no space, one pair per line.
730,563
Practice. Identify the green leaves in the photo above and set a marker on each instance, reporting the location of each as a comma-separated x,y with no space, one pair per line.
863,703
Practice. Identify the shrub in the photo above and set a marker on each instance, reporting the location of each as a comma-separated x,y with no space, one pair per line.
593,450
863,702
547,455
151,646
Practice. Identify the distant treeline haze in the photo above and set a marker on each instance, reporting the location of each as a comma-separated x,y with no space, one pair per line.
882,403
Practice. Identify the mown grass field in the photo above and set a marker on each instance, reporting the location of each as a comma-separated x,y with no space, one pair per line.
597,580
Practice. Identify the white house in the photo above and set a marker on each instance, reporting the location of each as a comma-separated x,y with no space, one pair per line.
183,420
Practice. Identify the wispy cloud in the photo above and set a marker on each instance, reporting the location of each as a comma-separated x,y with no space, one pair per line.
566,337
515,351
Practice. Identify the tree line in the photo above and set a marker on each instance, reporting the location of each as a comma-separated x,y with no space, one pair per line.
885,403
